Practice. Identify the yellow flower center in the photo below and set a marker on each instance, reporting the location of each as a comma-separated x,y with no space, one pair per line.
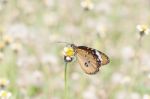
3,81
2,45
4,94
144,27
68,51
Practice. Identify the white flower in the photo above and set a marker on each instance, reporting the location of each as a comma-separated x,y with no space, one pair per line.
143,29
127,53
68,54
90,93
16,47
146,96
87,4
3,82
5,95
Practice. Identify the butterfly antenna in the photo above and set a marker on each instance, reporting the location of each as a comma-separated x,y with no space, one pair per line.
63,42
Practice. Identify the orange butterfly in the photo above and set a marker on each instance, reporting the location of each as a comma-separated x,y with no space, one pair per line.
89,59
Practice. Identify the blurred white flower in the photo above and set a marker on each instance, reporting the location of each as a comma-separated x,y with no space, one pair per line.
16,47
51,19
37,78
87,4
101,30
18,31
26,62
49,3
2,4
117,78
3,82
55,97
145,57
127,95
75,76
127,53
126,80
90,93
134,95
7,39
121,95
5,95
103,94
93,79
143,29
149,76
49,59
27,7
103,7
58,83
146,96
2,46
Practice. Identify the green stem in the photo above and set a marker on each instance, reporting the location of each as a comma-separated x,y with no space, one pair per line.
66,85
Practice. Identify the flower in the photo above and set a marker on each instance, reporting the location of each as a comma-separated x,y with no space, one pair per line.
146,96
68,54
87,5
5,94
68,51
3,82
7,39
16,47
143,29
2,45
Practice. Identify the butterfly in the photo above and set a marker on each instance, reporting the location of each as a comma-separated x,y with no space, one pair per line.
89,59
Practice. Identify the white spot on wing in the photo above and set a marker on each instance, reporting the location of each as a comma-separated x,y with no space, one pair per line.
99,55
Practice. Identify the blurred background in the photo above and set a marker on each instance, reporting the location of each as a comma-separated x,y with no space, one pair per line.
31,62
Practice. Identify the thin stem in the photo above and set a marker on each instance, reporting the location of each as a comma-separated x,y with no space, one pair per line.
140,42
66,84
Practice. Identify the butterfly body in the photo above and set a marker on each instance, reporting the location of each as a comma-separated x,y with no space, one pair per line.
90,59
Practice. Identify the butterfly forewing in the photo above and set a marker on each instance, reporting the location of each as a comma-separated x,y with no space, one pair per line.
87,61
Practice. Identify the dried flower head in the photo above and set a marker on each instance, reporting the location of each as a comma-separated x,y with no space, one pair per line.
87,4
5,94
16,47
3,83
68,54
143,30
2,45
7,39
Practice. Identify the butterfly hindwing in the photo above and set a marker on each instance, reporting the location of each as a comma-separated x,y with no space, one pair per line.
87,61
104,57
91,57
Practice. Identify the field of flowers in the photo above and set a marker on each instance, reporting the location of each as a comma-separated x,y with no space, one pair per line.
32,62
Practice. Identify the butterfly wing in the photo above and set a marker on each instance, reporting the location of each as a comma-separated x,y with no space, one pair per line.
90,59
87,60
104,58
